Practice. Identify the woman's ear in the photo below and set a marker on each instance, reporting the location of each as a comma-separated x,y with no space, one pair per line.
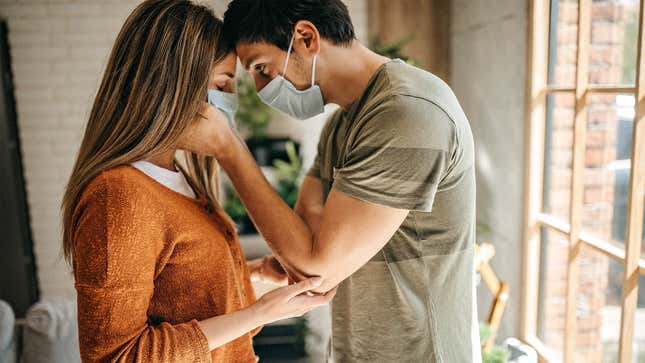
306,38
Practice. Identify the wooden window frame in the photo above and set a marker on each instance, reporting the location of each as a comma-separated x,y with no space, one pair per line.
534,219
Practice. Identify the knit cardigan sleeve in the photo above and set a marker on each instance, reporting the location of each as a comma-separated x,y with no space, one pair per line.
115,259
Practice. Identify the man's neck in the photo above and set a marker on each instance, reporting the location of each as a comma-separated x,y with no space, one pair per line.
346,73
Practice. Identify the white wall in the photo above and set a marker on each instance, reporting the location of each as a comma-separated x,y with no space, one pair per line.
488,45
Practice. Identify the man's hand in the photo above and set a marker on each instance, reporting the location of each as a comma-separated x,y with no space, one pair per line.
209,133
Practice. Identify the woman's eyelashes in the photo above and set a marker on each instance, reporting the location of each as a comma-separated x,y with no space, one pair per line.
224,84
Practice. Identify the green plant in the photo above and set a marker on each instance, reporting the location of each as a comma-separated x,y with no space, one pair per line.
252,115
288,175
233,205
497,354
394,50
288,178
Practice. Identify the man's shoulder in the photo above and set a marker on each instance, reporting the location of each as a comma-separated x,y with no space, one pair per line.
410,86
406,79
406,117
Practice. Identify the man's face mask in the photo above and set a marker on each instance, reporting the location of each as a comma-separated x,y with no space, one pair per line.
225,102
284,96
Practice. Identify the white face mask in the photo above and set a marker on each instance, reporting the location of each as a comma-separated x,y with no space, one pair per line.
284,96
225,102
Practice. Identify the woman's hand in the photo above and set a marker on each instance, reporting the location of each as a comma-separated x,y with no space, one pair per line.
268,269
291,301
281,303
209,133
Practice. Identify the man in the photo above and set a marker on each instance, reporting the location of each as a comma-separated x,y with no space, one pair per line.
387,212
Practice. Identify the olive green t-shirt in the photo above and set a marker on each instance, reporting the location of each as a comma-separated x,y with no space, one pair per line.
406,143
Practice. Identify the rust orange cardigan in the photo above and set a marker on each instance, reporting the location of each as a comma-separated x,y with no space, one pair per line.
148,264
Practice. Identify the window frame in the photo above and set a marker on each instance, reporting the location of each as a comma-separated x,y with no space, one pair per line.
629,255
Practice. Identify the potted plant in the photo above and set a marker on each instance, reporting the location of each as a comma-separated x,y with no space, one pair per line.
235,209
496,354
288,175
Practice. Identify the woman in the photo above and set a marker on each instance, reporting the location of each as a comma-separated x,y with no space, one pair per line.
159,273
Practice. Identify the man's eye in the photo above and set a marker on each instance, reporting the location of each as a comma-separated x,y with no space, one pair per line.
260,69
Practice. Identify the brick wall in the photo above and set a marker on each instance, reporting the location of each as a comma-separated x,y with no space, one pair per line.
59,49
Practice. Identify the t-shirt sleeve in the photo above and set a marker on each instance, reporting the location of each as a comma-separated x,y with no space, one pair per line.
399,154
114,267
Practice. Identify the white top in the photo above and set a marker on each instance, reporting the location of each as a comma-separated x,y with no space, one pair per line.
174,180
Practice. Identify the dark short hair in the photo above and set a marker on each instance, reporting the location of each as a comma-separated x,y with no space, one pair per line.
272,21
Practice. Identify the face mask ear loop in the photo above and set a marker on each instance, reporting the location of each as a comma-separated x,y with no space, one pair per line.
313,71
286,62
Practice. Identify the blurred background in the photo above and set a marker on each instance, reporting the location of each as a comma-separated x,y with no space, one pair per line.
549,86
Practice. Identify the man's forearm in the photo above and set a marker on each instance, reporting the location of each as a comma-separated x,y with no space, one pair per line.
286,233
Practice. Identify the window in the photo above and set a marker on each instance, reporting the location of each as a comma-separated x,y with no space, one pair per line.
583,297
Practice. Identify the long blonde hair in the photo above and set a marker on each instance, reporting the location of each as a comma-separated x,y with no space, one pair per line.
155,79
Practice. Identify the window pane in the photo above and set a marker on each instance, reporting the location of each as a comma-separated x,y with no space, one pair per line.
563,42
598,307
553,291
607,166
558,154
614,34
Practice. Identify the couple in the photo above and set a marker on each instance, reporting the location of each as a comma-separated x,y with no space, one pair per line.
383,225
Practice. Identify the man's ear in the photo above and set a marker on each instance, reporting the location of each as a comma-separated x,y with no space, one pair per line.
306,38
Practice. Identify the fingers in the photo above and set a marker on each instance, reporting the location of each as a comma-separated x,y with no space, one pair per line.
314,301
210,112
204,109
302,286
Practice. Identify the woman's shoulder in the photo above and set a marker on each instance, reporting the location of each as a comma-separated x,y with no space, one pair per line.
123,183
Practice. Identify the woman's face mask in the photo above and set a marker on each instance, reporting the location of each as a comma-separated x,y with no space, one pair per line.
225,102
284,96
